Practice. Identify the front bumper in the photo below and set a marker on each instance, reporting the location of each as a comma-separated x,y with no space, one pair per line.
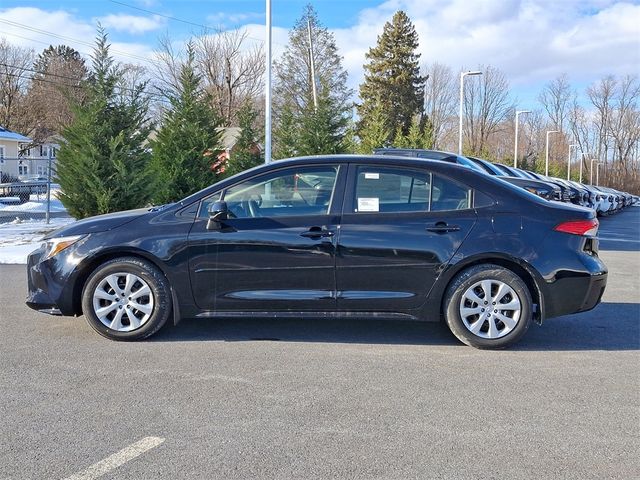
48,289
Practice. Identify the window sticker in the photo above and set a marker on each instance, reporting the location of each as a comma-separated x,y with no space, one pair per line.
372,176
368,204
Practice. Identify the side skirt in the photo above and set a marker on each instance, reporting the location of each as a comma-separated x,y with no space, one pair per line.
309,315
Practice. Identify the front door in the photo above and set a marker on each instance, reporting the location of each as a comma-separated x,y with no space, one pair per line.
399,229
277,249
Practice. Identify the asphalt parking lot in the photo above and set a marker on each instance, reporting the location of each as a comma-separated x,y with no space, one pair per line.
326,399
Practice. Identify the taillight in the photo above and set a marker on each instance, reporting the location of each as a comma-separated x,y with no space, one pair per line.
587,228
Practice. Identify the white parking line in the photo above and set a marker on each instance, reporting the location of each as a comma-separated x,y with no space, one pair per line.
117,459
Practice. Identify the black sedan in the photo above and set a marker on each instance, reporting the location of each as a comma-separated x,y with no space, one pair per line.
334,236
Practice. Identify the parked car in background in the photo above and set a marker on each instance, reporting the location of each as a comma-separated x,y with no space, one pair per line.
330,236
545,190
429,155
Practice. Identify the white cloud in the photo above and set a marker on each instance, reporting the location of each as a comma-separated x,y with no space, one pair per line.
37,28
532,41
133,24
225,18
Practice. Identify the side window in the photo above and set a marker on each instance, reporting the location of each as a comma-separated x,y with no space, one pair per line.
381,189
449,195
290,192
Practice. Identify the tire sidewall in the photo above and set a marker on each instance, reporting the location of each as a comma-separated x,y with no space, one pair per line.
471,276
157,283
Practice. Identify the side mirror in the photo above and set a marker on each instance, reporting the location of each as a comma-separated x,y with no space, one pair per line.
218,212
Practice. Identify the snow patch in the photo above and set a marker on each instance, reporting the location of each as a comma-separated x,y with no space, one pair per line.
19,238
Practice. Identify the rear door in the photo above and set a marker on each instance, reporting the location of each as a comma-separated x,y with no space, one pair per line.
400,227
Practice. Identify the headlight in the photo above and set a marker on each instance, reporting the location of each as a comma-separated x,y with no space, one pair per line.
53,246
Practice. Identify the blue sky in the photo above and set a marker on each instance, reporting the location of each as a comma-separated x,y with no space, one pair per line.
532,41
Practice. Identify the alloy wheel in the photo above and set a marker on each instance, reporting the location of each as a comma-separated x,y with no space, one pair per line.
490,309
123,301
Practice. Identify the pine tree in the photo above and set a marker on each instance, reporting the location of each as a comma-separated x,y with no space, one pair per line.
286,133
245,154
186,144
323,129
102,163
294,109
392,77
373,132
420,134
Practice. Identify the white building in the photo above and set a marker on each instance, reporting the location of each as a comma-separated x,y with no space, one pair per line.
19,157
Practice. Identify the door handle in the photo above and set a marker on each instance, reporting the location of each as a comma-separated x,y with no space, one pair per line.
317,232
442,227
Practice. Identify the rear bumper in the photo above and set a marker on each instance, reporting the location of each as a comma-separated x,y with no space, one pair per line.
574,294
577,289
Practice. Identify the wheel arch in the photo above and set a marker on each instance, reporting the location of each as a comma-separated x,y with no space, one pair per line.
92,263
525,271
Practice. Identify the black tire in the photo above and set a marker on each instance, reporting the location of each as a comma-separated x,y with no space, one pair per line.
462,283
23,197
160,298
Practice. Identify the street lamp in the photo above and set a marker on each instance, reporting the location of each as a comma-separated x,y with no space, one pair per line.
581,162
569,162
515,155
267,86
462,75
591,172
546,161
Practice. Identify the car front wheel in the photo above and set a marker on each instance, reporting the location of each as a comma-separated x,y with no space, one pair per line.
488,306
126,299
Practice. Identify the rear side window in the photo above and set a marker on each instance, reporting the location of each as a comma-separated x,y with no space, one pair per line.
449,195
391,190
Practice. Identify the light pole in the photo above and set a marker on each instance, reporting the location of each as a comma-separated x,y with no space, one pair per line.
598,173
515,155
591,172
581,162
267,93
569,161
546,161
462,75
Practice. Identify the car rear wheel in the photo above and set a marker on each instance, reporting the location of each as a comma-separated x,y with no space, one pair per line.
126,299
488,306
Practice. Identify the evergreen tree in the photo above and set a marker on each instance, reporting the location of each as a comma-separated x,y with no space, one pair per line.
293,92
102,164
186,144
392,77
245,154
420,134
285,133
323,129
373,131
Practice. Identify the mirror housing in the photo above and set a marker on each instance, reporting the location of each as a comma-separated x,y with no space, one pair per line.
218,212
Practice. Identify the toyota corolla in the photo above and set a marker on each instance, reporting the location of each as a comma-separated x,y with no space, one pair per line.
331,236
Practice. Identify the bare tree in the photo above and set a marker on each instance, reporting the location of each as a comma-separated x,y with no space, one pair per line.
486,105
624,129
15,76
555,98
440,100
601,96
233,71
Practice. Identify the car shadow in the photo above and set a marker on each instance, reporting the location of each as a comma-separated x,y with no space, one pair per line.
610,326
